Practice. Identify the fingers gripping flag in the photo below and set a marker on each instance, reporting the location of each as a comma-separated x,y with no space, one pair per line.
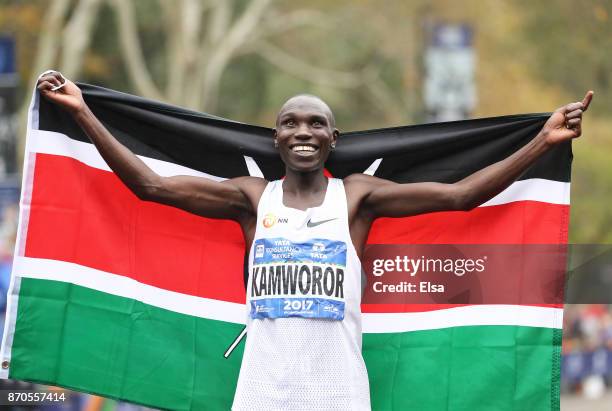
139,301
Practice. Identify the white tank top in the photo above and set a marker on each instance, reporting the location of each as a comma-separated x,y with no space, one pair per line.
303,346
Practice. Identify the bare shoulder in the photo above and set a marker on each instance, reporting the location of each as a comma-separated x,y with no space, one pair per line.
358,188
363,183
251,187
246,181
248,184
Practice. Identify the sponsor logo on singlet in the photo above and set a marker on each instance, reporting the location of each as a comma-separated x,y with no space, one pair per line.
298,279
270,219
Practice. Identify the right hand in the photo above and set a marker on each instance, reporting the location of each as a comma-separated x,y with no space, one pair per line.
68,97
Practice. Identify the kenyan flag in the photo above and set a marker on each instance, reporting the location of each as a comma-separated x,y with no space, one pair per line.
139,301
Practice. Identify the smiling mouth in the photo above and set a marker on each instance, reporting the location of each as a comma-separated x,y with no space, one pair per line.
303,149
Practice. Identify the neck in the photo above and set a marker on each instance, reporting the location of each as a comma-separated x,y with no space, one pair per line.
304,182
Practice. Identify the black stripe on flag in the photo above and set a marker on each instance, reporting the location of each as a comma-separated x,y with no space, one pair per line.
442,152
448,152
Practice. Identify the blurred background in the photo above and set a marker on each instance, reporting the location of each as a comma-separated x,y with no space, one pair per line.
378,64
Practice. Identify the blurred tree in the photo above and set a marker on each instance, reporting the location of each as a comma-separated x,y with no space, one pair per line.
179,51
240,59
75,34
570,46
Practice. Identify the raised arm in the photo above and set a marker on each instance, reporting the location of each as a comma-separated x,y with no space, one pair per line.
231,199
383,198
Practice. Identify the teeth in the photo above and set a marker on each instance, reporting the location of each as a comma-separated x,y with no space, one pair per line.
303,148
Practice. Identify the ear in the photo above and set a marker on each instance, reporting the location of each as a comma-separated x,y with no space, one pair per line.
275,140
335,135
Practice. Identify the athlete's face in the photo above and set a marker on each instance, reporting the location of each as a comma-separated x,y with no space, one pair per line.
304,133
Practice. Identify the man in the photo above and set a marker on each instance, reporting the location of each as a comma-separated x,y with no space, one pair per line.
305,235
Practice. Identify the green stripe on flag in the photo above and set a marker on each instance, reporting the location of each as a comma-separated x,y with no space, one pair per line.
118,347
122,348
463,368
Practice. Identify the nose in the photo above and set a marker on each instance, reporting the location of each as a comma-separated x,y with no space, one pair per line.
303,132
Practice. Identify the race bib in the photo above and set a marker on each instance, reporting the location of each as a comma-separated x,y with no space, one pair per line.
291,279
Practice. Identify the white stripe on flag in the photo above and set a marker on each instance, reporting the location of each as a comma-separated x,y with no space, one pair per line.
121,286
373,167
528,316
254,170
533,189
49,142
236,313
22,228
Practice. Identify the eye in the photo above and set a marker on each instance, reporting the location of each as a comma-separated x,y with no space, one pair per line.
289,123
317,123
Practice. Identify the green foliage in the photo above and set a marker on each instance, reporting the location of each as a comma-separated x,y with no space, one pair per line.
251,85
591,211
572,43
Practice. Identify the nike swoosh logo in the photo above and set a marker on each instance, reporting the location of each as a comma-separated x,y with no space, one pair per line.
311,223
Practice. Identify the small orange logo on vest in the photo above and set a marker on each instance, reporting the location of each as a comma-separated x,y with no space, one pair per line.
269,220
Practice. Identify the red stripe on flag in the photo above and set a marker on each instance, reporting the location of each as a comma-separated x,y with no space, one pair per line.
520,222
87,216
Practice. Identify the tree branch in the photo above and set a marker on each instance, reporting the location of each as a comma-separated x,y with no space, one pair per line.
47,40
219,22
280,24
132,50
395,111
46,53
226,49
305,70
174,52
77,36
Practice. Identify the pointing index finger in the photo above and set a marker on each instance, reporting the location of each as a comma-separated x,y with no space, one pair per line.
587,100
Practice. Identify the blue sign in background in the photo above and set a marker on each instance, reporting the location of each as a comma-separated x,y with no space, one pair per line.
7,55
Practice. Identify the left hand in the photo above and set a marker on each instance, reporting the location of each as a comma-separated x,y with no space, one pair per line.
566,122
